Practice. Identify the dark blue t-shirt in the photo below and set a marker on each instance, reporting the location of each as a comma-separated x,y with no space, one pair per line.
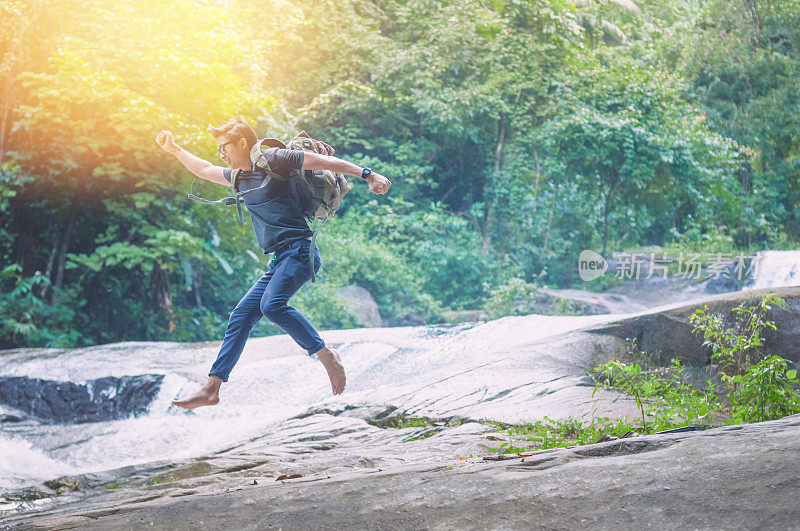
276,219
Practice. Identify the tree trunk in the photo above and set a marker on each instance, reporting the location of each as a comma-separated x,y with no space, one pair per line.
549,224
196,285
5,113
609,198
488,225
743,225
491,213
605,222
63,246
48,272
22,242
447,194
538,178
162,294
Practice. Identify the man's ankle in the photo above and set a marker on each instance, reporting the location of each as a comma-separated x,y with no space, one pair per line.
325,354
213,382
324,351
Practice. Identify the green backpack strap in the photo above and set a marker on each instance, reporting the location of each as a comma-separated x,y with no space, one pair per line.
236,194
260,163
227,201
311,252
312,246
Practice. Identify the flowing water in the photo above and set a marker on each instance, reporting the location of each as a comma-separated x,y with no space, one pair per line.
774,269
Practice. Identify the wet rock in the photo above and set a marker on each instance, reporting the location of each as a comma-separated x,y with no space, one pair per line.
557,302
72,483
580,302
515,369
668,334
725,282
108,398
657,291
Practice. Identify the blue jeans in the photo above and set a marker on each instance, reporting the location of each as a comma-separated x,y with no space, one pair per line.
289,270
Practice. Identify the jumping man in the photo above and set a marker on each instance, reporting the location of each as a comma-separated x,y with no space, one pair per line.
280,228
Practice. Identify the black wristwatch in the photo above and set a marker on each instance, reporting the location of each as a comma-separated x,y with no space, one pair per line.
366,172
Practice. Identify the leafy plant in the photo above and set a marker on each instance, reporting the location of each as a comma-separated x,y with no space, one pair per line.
736,347
757,389
660,395
515,297
559,433
767,391
27,319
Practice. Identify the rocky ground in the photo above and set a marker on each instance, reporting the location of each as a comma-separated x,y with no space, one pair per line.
356,473
732,477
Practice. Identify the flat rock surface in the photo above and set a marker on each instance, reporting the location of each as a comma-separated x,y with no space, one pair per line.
731,477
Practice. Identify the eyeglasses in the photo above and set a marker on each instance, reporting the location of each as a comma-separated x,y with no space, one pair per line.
221,148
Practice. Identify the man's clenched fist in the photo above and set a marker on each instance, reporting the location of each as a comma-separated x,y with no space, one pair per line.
166,141
378,184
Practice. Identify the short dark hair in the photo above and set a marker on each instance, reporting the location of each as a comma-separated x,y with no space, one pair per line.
238,127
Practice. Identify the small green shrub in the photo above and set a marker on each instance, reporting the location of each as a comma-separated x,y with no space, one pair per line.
515,297
661,395
27,319
736,347
764,392
757,388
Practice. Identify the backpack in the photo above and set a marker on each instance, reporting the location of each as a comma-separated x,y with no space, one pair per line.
317,193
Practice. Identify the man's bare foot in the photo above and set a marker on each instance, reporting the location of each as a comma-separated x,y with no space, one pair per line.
333,364
208,395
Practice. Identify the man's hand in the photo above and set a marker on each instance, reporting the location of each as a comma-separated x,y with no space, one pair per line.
166,141
193,163
378,184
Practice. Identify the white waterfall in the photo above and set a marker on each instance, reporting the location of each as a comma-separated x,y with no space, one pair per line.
775,269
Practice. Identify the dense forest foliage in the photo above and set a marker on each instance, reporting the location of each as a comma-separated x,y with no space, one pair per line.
516,132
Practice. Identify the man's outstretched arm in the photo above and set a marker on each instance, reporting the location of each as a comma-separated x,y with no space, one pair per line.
314,161
201,168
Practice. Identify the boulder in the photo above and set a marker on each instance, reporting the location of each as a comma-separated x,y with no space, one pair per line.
668,334
366,309
108,398
547,301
